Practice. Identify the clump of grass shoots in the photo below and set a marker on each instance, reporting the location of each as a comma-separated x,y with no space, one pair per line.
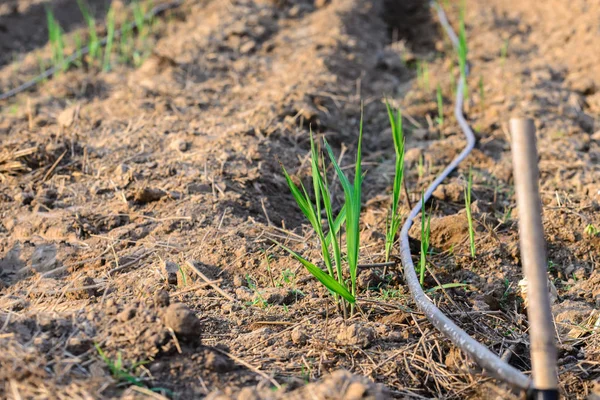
117,368
591,230
394,219
110,35
468,210
55,36
93,41
334,280
504,52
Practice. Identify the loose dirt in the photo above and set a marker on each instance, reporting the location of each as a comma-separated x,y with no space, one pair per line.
111,182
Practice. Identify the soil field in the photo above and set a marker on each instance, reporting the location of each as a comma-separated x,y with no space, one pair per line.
139,206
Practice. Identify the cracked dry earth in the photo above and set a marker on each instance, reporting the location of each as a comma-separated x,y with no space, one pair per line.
117,188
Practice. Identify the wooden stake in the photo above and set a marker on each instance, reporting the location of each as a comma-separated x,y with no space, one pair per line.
533,258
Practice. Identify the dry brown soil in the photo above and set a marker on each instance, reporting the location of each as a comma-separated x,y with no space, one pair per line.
111,182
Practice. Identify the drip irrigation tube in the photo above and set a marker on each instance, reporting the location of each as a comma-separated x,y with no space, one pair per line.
485,358
85,50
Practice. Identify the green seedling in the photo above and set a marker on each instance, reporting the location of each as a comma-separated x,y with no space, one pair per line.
468,210
268,258
507,214
93,41
143,27
463,49
504,52
140,20
425,233
125,43
259,300
288,276
590,230
78,62
350,213
389,294
55,37
110,35
440,106
118,370
423,74
333,281
395,218
183,275
421,167
42,67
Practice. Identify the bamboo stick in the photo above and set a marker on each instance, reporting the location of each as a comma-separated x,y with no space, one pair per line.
533,258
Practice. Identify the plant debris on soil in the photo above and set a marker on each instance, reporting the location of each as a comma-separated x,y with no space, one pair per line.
138,207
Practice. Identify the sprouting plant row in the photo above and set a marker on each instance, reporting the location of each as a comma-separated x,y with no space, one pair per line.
340,269
130,49
130,36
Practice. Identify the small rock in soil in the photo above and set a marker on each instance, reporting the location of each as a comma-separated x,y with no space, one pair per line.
161,299
77,345
169,268
218,363
247,47
298,336
355,391
229,308
148,195
355,335
182,320
66,117
239,281
181,145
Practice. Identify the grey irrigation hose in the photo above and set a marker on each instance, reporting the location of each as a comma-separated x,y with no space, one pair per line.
481,354
85,50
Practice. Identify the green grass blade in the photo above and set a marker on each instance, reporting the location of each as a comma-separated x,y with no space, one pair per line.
110,35
353,223
336,246
468,191
440,104
93,42
393,224
303,201
321,276
337,224
316,174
